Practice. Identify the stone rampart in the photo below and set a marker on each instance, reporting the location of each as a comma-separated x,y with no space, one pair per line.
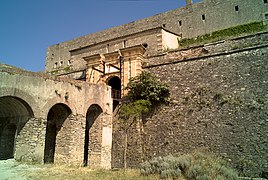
201,18
218,102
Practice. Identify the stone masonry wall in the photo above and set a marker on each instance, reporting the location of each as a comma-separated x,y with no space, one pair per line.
218,103
151,38
30,141
202,18
211,49
36,110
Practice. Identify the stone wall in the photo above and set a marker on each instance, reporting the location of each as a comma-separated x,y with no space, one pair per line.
228,46
156,40
199,19
49,117
30,141
218,102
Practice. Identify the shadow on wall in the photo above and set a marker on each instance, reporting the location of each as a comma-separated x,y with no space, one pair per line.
55,119
14,114
93,113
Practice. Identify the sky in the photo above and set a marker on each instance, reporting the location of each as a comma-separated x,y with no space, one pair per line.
28,27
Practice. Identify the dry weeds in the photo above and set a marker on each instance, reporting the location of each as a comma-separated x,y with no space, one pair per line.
64,172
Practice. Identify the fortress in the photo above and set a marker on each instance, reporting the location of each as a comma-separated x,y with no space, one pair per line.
218,92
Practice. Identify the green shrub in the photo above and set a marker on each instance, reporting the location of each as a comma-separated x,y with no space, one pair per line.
147,87
195,166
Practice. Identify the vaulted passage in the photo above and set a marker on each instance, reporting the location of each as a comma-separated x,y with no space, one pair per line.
55,120
115,83
14,113
93,136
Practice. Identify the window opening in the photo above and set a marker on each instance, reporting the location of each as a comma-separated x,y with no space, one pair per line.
115,83
69,62
145,45
266,17
180,23
203,17
164,25
107,47
236,8
55,65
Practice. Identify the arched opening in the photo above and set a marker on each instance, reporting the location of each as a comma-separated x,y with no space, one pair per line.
145,45
93,135
14,113
55,119
115,83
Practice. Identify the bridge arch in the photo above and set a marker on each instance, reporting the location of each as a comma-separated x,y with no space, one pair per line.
55,135
24,96
14,114
93,136
52,102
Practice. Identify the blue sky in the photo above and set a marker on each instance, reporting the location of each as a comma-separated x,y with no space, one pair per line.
28,27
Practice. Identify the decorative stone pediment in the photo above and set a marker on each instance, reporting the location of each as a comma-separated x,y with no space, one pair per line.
124,63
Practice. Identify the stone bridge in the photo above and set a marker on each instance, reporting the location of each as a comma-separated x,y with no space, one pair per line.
53,120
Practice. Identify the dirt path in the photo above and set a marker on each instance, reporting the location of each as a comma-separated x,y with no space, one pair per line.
12,170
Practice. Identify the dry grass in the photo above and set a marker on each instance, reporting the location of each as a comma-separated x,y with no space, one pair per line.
58,172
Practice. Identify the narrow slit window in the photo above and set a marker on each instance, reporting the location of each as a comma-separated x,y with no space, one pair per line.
203,17
180,23
107,48
236,8
266,17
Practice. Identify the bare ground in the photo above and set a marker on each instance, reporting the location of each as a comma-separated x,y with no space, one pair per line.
12,170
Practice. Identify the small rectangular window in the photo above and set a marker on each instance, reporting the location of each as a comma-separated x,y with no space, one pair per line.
266,17
55,65
236,8
180,23
265,1
203,17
